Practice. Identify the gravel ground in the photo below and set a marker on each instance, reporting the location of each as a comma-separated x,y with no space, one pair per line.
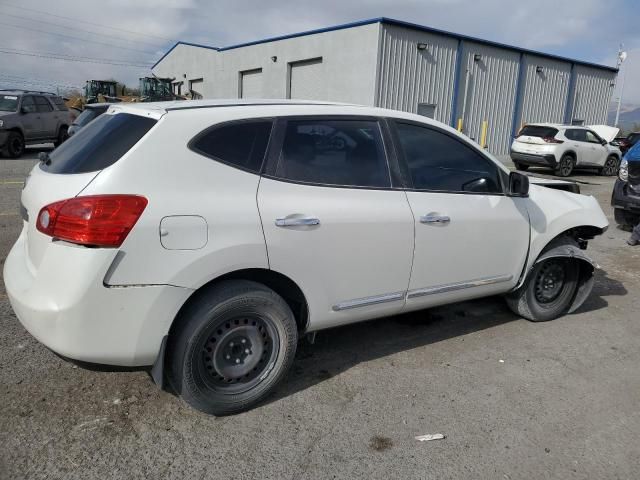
514,399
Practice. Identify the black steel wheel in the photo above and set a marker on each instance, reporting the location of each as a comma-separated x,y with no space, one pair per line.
15,145
565,166
611,166
230,347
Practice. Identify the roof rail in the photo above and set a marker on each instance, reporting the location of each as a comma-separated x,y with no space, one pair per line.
28,91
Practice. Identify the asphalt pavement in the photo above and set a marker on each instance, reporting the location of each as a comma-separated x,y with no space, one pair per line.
514,399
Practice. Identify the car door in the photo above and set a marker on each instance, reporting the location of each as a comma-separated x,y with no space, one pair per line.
48,119
470,238
332,220
578,143
30,119
597,152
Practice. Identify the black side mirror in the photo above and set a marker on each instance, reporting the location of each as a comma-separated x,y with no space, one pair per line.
518,185
603,142
24,110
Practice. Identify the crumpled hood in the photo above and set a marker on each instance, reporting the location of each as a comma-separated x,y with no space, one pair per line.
605,131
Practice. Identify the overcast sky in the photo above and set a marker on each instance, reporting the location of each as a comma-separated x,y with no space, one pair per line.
141,31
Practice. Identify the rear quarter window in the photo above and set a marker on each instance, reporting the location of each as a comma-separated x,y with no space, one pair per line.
538,131
100,144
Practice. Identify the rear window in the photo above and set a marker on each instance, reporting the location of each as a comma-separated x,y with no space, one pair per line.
538,131
100,144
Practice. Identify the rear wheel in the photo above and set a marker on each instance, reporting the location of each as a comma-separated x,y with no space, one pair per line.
63,135
625,219
234,343
610,166
520,166
15,145
565,166
548,291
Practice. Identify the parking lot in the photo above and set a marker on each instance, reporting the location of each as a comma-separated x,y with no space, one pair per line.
514,399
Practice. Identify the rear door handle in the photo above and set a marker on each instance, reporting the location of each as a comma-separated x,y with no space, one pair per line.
296,222
440,219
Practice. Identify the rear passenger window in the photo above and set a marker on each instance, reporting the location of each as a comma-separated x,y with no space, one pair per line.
242,144
439,162
43,105
100,144
334,152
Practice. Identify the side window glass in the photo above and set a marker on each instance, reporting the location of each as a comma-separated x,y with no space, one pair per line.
580,135
334,152
439,162
592,137
241,144
570,134
43,105
28,105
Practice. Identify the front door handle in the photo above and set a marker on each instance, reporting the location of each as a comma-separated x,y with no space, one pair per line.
296,222
439,219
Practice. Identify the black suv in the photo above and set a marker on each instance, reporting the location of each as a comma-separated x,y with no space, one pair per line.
28,117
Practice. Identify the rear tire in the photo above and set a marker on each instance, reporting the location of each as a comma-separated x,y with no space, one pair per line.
63,135
233,345
611,166
565,166
548,291
14,147
520,166
624,219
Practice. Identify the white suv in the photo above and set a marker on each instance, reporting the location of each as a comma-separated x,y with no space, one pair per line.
204,238
564,148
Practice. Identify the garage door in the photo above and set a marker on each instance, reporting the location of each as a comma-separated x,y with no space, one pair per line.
306,80
251,84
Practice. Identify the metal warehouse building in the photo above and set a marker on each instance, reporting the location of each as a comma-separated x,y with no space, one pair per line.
456,79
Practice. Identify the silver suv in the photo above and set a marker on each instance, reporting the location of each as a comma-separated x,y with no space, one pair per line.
28,117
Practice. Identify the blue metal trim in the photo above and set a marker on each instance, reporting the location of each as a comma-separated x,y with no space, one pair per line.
519,97
183,43
456,82
570,95
400,23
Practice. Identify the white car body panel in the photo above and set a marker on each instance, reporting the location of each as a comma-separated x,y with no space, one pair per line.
114,306
607,132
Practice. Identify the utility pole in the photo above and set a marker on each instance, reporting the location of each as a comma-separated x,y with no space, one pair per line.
622,56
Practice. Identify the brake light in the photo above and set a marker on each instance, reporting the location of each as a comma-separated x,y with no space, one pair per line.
98,220
551,140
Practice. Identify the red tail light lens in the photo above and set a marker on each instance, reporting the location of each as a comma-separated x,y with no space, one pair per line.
552,140
98,220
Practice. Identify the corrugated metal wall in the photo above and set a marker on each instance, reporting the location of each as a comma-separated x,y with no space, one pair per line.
408,76
490,94
592,94
544,93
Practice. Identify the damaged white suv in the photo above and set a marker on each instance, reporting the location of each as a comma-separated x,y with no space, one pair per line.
204,238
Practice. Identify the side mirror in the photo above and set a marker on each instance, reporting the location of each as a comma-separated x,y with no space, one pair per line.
603,142
518,185
23,110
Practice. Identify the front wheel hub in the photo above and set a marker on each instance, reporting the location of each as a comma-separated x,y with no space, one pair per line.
549,282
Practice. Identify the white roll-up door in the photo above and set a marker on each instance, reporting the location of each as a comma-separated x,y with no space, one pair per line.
307,81
251,84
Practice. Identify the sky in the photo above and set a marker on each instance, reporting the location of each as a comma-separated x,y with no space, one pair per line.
121,39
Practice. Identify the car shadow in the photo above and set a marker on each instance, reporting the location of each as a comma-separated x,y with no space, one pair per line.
340,349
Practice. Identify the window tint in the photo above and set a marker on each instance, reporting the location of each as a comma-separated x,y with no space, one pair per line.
577,135
99,144
86,116
334,152
28,104
538,131
59,102
437,161
43,105
240,144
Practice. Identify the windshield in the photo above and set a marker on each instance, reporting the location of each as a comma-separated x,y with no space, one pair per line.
85,117
8,103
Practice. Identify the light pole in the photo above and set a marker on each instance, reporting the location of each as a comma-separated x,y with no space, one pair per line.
622,56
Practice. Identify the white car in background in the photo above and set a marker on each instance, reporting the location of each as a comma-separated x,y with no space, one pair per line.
205,237
564,148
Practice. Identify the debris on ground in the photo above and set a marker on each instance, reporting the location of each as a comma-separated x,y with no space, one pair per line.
428,437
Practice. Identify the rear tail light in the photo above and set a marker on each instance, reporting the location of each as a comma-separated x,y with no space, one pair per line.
552,140
97,220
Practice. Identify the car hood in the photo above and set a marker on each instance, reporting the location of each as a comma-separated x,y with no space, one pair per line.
605,131
3,113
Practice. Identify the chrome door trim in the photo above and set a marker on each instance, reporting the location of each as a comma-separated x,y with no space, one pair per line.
451,287
366,301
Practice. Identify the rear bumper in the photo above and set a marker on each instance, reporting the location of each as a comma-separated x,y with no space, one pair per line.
626,198
547,160
66,306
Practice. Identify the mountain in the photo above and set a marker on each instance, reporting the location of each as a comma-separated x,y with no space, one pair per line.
629,116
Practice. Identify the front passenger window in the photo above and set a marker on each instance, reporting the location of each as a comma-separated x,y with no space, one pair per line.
439,162
28,105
